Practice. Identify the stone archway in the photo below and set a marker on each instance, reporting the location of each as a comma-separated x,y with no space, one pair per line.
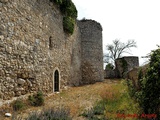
56,80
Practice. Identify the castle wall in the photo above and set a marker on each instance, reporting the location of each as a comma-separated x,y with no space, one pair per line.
92,54
32,45
126,64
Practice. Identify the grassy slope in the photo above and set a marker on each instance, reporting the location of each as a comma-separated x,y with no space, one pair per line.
119,102
82,98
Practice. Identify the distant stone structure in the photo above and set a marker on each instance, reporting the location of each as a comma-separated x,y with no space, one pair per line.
122,66
109,74
125,64
36,54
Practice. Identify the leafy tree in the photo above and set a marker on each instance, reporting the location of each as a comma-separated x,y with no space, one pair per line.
117,49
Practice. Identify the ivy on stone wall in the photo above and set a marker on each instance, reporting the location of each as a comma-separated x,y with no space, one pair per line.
69,12
68,24
68,8
58,2
124,66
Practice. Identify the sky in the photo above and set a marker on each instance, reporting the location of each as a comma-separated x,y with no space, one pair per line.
137,20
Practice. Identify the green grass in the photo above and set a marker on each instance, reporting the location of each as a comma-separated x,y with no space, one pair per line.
119,102
116,103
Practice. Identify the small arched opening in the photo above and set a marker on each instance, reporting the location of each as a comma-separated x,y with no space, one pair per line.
56,81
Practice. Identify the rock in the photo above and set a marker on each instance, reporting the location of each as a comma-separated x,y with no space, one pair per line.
8,114
19,89
21,81
1,95
1,37
18,93
29,83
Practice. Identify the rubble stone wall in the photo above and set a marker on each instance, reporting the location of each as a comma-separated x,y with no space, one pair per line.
92,54
125,64
33,44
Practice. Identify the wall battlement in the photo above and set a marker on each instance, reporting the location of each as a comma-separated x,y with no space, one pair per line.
36,54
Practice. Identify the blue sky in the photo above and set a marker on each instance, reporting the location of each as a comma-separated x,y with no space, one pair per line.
124,20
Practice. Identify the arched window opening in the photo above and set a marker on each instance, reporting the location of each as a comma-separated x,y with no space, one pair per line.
56,81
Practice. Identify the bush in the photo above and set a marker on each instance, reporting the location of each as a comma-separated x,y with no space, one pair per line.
149,93
99,108
109,66
69,12
151,83
140,78
58,2
36,99
68,8
18,105
97,112
51,114
68,25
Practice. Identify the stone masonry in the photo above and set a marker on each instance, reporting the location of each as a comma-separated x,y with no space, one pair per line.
33,46
91,42
125,64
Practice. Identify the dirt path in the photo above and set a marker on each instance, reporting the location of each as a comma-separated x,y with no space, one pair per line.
76,98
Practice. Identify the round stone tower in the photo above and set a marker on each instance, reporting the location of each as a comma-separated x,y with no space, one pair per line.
92,53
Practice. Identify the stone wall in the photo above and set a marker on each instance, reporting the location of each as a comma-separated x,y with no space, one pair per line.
33,46
109,74
92,54
125,64
133,75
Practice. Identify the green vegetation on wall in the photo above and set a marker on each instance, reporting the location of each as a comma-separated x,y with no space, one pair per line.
124,66
69,12
68,25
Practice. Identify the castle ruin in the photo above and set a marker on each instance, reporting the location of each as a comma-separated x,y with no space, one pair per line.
36,54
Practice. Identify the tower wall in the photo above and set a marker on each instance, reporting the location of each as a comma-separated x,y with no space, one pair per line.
92,54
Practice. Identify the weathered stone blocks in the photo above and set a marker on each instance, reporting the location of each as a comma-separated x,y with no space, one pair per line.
33,44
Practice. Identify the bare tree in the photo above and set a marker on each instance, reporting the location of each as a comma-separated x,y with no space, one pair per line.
116,49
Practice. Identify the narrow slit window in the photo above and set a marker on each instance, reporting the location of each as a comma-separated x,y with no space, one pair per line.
50,42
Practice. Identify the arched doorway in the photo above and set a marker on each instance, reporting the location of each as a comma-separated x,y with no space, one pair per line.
56,81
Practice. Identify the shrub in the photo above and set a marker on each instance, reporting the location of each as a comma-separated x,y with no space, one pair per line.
58,2
140,78
99,108
131,88
18,105
97,112
68,8
151,83
36,99
68,25
51,114
148,95
69,12
109,66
